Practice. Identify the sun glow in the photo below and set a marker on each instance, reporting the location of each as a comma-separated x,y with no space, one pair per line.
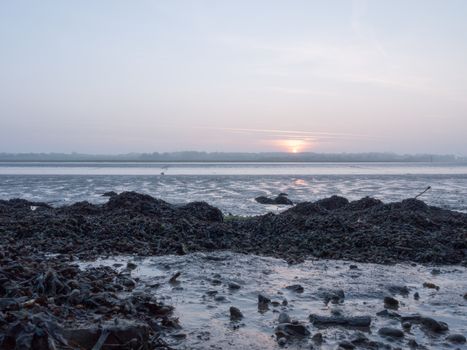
294,145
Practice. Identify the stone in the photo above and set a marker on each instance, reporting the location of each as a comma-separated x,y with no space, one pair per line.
456,338
234,286
282,341
284,318
406,325
397,289
391,302
297,288
351,321
317,338
235,313
263,300
174,277
131,265
346,345
430,285
281,199
109,194
391,332
291,330
433,325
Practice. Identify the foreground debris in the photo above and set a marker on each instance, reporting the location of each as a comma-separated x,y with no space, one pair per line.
48,303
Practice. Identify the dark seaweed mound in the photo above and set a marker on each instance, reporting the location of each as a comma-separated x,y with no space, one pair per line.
366,230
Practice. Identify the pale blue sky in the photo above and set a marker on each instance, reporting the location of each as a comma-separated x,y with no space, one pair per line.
328,76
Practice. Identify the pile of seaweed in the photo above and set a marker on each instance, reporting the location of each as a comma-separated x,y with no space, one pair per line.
365,230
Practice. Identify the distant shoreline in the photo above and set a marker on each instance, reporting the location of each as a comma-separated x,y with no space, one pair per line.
224,162
231,157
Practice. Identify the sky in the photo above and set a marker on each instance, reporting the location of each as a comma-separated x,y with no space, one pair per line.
113,76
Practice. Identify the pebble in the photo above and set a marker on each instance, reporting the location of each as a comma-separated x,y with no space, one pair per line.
234,286
433,325
391,332
346,345
282,341
174,277
284,318
406,325
351,321
391,302
131,265
430,285
263,300
291,330
297,288
317,338
456,338
235,313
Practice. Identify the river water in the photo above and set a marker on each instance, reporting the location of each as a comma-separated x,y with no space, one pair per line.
233,186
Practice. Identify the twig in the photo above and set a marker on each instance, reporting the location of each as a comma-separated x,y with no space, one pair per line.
426,189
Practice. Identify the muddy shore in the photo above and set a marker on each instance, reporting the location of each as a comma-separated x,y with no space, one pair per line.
48,302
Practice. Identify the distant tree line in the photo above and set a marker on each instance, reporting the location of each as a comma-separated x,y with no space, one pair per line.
194,156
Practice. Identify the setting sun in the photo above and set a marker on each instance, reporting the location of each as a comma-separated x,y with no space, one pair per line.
293,146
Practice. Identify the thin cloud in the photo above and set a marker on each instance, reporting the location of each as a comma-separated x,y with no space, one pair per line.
295,134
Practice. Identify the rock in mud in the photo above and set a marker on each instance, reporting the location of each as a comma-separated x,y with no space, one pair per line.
234,286
391,332
402,290
456,338
291,330
428,323
346,345
174,277
331,321
284,318
433,325
386,313
109,194
282,341
263,300
333,296
406,325
281,199
317,338
235,314
430,285
297,288
391,302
